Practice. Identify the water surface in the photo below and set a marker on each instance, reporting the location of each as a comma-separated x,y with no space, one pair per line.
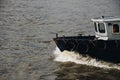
26,46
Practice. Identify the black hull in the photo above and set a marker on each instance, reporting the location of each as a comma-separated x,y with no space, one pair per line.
105,50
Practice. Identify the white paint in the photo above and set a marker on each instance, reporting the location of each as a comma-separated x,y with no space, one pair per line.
109,34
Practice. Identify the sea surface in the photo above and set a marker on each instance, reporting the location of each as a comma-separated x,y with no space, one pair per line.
27,51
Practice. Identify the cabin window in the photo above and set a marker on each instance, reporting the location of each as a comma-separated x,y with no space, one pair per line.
115,28
95,27
101,27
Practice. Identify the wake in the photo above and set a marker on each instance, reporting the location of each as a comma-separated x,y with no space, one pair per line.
67,56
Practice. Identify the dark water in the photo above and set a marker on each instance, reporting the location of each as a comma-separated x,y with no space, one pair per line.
26,46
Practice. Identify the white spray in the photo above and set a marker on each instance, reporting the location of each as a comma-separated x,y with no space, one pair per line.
66,56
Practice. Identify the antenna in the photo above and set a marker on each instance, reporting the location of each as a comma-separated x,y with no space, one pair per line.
103,17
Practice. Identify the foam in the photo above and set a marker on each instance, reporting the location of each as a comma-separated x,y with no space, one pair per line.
69,56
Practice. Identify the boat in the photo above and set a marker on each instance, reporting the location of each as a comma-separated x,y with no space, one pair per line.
104,45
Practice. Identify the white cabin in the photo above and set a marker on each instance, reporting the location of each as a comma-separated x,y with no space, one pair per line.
107,28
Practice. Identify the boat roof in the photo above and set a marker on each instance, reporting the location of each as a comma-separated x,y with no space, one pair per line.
106,19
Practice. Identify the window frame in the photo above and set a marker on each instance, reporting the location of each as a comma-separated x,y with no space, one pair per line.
113,29
101,29
96,26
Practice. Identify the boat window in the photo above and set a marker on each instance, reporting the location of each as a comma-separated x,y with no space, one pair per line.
115,28
101,27
95,27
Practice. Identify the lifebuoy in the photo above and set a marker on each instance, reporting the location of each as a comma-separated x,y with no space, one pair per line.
83,47
70,45
101,44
